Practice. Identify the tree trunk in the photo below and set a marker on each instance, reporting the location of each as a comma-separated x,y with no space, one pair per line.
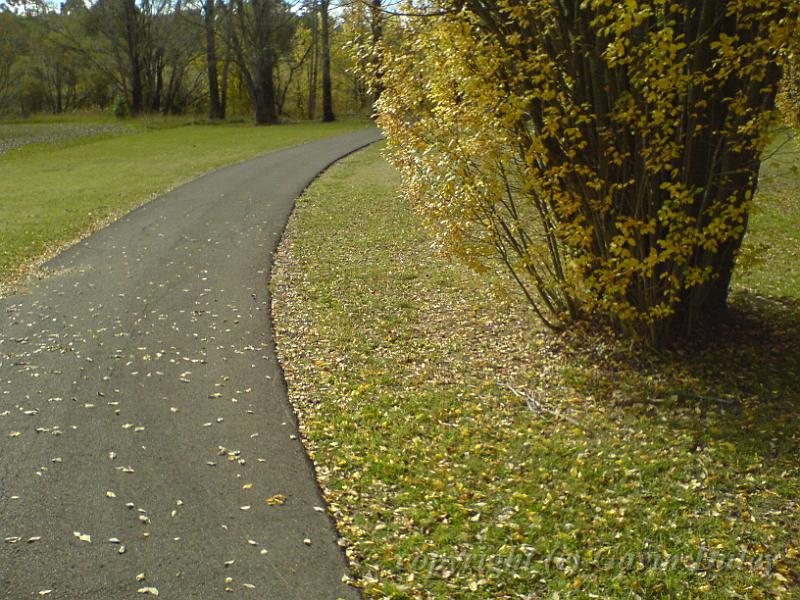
254,45
264,67
223,104
172,89
264,100
134,55
708,303
223,101
327,88
215,106
157,82
58,83
314,65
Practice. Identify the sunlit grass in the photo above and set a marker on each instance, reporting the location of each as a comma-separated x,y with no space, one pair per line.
51,193
446,485
771,256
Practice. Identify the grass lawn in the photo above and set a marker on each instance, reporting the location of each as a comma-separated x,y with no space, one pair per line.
772,255
623,477
55,191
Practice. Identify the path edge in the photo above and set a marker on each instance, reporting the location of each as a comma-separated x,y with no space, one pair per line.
284,385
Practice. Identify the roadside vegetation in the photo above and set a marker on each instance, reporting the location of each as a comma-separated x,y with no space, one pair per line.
60,181
467,452
607,153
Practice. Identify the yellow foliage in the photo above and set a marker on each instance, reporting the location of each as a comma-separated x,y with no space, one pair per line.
606,152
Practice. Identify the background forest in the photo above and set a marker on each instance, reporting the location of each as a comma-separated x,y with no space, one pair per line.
274,58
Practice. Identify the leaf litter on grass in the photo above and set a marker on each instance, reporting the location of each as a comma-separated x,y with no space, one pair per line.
445,484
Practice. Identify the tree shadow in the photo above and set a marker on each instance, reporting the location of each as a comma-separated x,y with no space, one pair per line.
738,382
754,354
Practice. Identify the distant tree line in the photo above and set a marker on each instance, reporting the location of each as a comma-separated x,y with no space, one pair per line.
273,58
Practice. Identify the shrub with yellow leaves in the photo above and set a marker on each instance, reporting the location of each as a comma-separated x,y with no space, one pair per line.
605,151
789,94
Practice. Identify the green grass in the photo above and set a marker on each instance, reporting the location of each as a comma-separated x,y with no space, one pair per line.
50,193
398,362
772,252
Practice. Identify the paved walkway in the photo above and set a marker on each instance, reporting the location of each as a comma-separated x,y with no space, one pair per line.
142,407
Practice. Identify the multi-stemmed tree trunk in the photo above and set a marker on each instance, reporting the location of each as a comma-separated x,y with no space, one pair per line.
327,85
605,152
254,44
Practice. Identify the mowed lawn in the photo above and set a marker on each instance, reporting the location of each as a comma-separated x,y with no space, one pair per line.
771,257
626,475
51,193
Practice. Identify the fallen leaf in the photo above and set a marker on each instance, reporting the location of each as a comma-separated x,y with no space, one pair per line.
84,537
148,590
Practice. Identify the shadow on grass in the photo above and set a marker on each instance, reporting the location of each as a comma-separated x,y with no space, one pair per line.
755,354
738,383
748,369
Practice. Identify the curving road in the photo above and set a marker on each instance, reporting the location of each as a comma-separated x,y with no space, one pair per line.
144,422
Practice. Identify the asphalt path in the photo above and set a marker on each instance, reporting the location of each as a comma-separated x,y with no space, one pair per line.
147,444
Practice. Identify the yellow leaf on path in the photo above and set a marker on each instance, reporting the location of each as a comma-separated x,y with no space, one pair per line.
148,590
